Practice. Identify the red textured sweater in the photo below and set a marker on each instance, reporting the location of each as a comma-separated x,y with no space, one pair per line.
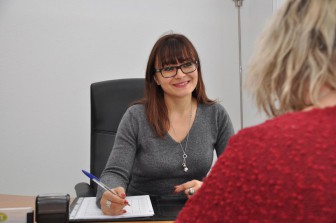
283,170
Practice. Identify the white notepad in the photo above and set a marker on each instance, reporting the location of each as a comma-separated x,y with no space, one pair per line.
86,208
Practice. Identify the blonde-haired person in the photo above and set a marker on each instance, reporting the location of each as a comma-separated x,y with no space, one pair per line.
283,170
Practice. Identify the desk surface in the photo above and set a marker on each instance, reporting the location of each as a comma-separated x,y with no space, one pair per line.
14,201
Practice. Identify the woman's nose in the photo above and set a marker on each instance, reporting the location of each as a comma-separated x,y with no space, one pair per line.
180,73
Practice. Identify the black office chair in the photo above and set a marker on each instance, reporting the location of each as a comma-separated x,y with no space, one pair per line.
109,101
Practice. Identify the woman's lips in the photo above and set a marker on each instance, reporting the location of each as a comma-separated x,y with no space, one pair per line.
181,84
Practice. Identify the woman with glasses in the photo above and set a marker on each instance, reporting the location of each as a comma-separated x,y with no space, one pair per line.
283,170
165,142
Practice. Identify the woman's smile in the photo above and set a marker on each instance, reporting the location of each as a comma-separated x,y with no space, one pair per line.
181,84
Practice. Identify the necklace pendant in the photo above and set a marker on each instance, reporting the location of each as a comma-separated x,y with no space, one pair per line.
185,168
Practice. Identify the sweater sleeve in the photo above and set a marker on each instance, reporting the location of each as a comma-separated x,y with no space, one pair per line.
119,165
224,129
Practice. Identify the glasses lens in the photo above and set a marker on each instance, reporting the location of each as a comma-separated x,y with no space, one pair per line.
188,67
168,71
172,71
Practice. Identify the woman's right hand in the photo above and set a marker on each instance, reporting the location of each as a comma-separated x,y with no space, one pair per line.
112,204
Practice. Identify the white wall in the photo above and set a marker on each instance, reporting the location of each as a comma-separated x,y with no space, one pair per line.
255,14
277,4
51,51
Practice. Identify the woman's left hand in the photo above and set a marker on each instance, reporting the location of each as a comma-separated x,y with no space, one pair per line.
189,188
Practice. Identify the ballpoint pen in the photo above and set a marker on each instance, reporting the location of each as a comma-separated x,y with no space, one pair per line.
97,181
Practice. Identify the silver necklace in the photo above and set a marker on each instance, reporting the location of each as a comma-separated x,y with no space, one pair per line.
184,150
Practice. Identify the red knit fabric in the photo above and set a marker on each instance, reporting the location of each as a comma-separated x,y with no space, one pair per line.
283,170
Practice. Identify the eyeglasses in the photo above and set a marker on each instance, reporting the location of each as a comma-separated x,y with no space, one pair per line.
171,71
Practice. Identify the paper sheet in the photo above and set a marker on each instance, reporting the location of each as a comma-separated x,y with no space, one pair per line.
17,215
86,208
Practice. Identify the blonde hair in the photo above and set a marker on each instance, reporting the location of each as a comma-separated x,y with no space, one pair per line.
294,57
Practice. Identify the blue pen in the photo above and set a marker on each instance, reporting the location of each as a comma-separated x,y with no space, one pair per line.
97,181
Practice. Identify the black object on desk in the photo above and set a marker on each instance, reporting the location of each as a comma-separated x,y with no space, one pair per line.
166,208
52,208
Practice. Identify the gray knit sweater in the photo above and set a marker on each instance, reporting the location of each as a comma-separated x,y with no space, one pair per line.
142,163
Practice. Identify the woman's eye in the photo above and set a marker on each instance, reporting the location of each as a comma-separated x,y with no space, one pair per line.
187,64
168,68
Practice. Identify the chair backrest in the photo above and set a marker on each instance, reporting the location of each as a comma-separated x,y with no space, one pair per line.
109,101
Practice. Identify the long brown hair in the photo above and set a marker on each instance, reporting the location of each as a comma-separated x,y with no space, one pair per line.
169,49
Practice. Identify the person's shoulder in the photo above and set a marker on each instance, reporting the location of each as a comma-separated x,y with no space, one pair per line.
212,107
136,110
284,125
215,109
285,131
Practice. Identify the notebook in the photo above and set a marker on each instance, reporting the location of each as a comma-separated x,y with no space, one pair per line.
141,207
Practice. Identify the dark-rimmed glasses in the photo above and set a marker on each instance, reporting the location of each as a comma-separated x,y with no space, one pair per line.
171,71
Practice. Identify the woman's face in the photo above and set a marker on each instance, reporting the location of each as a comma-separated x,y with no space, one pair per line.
182,84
